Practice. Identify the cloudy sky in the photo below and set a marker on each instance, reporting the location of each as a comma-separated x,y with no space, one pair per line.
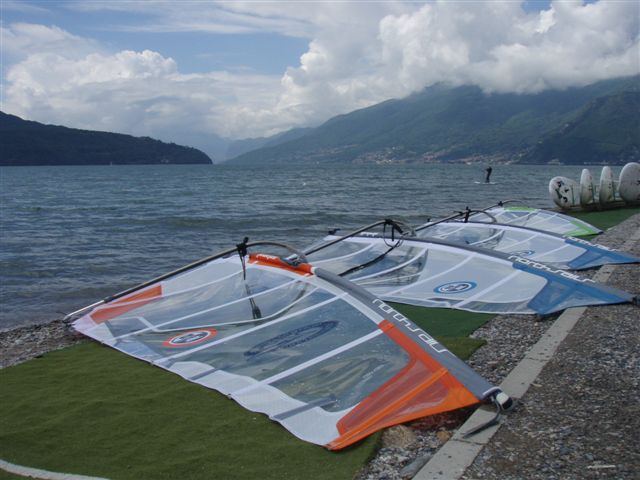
182,71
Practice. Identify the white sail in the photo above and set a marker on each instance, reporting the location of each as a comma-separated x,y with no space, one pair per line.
555,250
436,273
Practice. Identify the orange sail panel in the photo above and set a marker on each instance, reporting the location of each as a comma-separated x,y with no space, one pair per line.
125,304
422,388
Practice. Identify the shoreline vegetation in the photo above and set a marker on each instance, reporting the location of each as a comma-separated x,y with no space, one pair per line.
73,405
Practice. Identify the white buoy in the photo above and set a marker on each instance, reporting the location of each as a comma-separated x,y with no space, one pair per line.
564,192
607,190
587,188
629,184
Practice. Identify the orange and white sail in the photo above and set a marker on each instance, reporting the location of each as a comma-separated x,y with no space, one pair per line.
323,357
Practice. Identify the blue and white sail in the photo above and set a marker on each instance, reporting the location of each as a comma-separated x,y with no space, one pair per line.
558,251
437,273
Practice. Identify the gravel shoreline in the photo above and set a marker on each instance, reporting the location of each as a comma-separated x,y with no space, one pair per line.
582,418
24,343
508,338
550,435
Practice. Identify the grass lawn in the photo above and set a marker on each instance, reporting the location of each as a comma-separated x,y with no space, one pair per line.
9,476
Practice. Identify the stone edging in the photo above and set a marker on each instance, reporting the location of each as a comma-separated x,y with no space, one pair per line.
42,474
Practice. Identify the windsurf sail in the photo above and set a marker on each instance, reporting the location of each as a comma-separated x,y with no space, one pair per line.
536,218
555,250
323,357
438,273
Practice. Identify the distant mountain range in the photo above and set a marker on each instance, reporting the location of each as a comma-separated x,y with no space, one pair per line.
24,142
598,123
238,147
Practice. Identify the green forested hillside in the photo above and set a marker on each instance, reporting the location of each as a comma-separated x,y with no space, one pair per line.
24,142
605,131
238,147
452,124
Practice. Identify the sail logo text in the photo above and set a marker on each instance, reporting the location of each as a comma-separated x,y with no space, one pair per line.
546,268
406,323
523,253
589,244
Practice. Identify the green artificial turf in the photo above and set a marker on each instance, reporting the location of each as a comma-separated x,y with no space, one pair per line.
9,476
605,219
89,409
451,327
444,322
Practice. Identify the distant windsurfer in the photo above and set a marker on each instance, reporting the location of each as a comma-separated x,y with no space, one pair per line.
488,177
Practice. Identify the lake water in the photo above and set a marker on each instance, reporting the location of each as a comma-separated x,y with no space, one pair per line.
73,235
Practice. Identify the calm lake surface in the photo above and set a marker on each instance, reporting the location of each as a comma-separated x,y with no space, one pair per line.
73,235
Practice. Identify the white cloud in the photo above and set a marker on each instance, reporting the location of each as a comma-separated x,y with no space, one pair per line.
291,19
359,54
141,93
21,6
494,45
572,45
20,40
